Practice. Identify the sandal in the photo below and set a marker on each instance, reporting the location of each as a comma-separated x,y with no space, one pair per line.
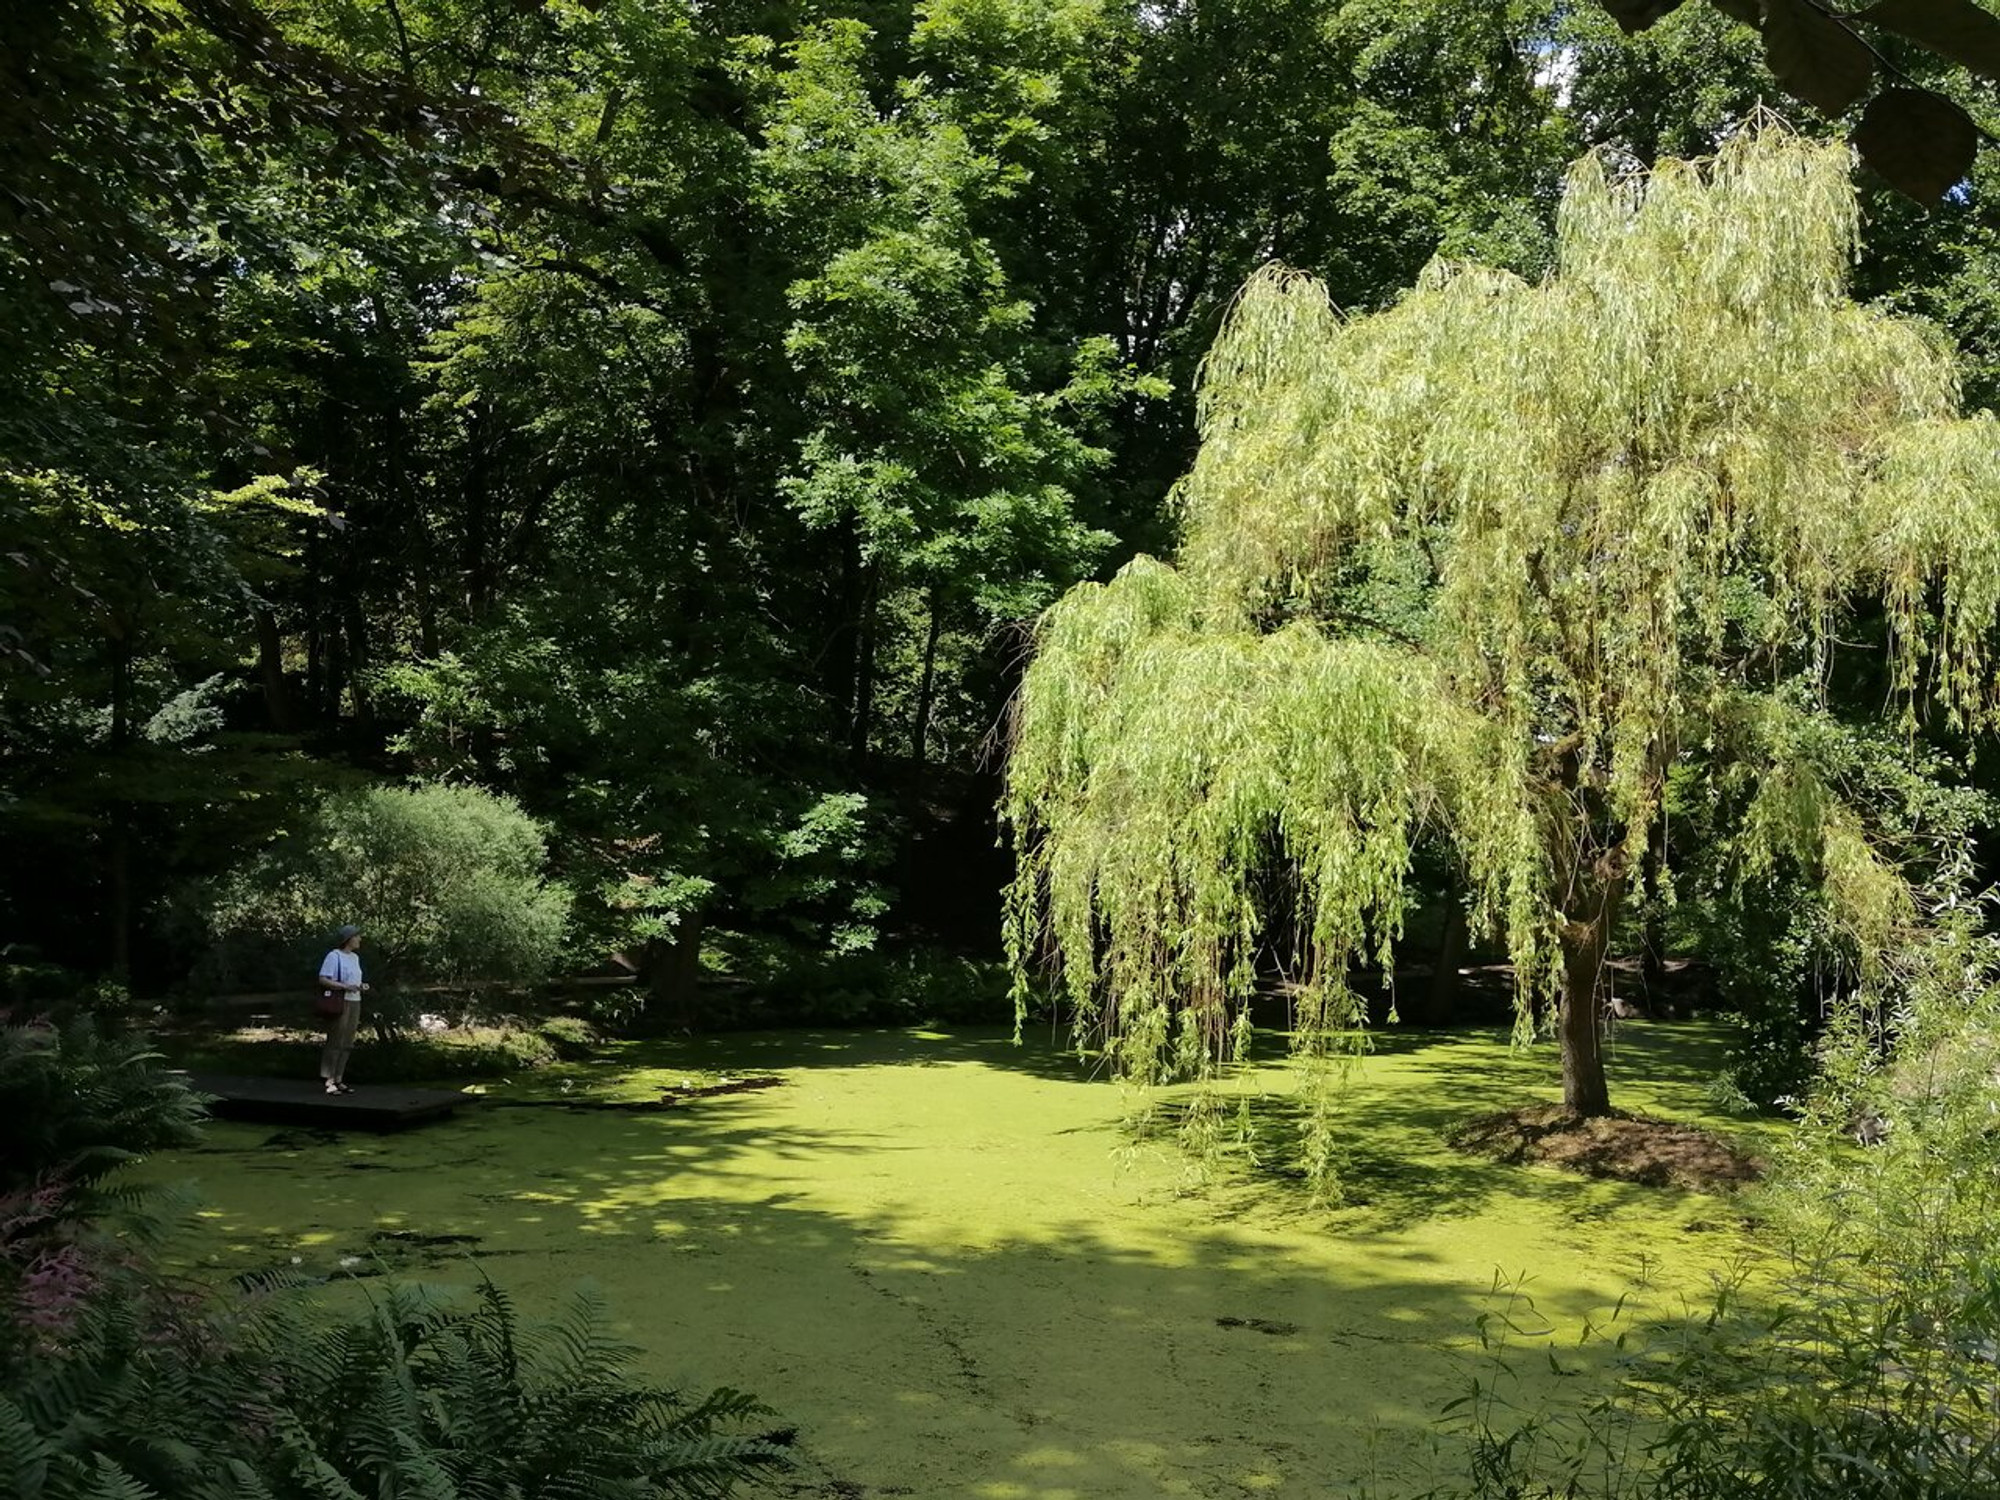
333,1088
345,1088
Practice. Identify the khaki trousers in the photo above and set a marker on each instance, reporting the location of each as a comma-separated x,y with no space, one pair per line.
339,1046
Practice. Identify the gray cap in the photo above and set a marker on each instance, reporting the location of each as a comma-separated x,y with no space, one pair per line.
348,934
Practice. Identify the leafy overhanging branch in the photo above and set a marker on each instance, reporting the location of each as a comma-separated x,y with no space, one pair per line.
1591,564
1921,142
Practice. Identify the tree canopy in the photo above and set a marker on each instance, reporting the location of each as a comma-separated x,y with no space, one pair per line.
1487,565
665,416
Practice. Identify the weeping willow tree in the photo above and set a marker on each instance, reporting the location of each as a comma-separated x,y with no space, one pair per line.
1480,569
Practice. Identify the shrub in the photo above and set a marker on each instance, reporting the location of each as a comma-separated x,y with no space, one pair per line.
912,987
1778,951
447,882
1769,957
76,1104
1874,1370
616,1008
29,982
571,1037
470,1052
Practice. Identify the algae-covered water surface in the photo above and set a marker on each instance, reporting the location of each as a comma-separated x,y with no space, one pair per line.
943,1259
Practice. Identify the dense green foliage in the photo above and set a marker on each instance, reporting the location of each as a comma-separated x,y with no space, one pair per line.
1775,945
448,880
569,484
662,415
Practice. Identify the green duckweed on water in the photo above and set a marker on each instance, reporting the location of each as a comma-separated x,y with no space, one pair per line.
942,1257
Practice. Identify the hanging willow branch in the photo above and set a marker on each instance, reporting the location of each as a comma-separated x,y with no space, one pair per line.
1478,567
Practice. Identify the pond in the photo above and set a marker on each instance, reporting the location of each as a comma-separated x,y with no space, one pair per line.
943,1258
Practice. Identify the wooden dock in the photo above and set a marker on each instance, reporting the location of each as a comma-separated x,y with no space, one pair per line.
304,1101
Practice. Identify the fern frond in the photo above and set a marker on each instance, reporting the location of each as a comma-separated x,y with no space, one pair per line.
25,1455
110,1482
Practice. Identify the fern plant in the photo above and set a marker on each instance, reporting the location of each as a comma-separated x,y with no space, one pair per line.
132,1401
427,1396
436,1397
75,1104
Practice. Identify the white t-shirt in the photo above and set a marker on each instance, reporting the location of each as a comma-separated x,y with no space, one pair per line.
342,967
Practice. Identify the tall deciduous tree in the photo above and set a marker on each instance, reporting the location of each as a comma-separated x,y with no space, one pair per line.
932,456
1489,564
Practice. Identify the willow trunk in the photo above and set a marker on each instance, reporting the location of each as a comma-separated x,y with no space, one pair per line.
1585,1090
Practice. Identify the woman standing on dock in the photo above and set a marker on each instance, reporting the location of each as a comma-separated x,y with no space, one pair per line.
340,984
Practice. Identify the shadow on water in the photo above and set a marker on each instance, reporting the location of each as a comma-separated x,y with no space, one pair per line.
1054,1368
937,1320
1395,1108
1395,1168
1665,1053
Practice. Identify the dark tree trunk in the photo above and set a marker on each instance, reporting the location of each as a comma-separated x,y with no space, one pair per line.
333,675
920,727
1584,947
357,659
864,670
118,825
476,544
427,616
1592,874
118,893
673,972
413,518
271,671
1653,961
840,648
1451,955
315,686
333,663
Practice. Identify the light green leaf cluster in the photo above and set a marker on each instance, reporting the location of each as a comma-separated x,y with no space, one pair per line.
1597,465
1164,764
447,882
1796,815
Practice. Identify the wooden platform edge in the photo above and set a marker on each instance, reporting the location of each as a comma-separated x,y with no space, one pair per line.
291,1101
